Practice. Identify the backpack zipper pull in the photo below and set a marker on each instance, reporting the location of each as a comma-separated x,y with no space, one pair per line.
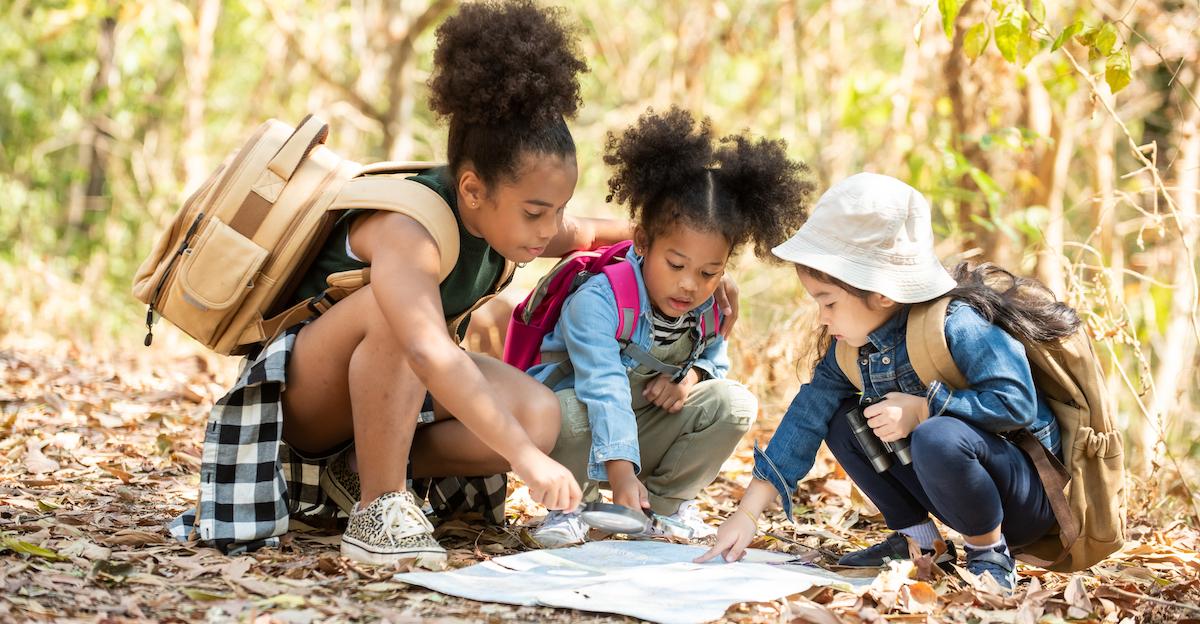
149,326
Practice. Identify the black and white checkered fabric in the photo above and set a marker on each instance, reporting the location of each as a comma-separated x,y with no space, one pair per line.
252,483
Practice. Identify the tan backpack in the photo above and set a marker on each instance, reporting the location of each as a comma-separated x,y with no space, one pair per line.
235,252
1087,494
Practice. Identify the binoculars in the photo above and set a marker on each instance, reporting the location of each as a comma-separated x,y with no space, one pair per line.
879,453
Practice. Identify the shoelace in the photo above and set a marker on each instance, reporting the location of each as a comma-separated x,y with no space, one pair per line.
396,511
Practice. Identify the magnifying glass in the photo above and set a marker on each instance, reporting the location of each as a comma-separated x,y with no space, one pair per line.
613,518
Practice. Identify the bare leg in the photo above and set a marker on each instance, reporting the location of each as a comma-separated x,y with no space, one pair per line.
348,378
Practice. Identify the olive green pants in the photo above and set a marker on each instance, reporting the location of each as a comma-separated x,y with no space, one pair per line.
681,453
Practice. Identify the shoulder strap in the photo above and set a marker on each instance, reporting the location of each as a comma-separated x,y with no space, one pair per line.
412,199
710,323
624,285
927,346
847,359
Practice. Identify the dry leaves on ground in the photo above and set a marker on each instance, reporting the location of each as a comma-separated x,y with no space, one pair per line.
101,451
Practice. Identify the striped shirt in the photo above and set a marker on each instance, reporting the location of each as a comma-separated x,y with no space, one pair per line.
667,329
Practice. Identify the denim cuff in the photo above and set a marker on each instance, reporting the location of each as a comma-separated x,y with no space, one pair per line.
938,398
765,470
600,454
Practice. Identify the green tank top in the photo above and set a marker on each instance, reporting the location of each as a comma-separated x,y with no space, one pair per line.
474,275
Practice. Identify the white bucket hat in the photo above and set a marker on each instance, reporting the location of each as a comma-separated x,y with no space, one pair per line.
874,233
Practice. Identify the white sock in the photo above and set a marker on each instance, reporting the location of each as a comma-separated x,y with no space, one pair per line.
993,546
925,534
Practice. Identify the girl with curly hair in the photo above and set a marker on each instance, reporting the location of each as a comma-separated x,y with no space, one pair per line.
379,368
657,424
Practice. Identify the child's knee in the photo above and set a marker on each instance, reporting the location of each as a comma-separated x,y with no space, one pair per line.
541,417
724,402
937,438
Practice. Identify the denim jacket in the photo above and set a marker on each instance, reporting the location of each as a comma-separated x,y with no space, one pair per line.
587,331
1000,396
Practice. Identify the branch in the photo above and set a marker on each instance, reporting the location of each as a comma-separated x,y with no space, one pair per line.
287,27
1154,176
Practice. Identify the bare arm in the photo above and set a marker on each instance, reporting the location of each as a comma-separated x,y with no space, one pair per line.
404,264
586,233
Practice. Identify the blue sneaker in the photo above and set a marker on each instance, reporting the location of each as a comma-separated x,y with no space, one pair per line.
894,548
995,562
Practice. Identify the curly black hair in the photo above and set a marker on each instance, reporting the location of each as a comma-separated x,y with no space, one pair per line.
505,76
669,170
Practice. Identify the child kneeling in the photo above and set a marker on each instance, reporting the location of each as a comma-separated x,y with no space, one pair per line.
655,416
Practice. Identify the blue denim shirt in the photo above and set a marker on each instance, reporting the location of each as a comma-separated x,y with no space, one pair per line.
1000,395
587,331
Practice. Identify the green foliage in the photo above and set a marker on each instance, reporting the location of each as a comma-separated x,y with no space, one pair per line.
1021,33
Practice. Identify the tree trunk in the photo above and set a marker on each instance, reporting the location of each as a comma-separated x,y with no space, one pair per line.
1054,176
1176,374
197,65
88,194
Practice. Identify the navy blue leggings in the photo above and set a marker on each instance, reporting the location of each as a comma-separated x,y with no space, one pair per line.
970,479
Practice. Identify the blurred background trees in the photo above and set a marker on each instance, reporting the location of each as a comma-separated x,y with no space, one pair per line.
1059,139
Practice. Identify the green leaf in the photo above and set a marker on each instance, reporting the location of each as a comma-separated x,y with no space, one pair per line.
33,550
284,601
949,10
976,40
1027,48
1037,10
1106,39
1009,30
1116,70
1066,35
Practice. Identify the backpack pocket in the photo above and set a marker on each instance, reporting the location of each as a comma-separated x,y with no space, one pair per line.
216,273
1099,465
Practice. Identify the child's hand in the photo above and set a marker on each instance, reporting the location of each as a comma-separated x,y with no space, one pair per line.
627,489
732,538
550,483
896,415
727,302
670,396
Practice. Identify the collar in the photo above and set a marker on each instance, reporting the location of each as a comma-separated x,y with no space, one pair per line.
888,335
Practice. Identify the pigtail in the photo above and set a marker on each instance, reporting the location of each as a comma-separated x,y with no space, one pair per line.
769,192
662,156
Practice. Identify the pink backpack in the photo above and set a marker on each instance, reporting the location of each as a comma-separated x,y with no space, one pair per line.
536,316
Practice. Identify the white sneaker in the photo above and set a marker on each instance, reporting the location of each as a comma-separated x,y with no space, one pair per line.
561,529
690,516
392,529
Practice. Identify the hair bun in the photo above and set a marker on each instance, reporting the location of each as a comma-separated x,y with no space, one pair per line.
498,62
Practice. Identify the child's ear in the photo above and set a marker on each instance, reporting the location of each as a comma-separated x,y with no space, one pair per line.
883,302
471,189
641,241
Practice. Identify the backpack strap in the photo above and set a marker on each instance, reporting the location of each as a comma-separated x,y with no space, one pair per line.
412,199
847,359
931,360
393,193
625,288
927,346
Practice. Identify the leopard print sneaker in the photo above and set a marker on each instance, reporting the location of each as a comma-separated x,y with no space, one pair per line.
340,483
390,530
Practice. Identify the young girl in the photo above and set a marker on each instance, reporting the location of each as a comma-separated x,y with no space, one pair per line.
505,78
864,256
659,437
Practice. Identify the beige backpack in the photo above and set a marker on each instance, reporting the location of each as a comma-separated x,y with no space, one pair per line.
1087,494
235,252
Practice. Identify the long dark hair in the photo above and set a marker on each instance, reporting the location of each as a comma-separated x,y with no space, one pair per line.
1021,306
